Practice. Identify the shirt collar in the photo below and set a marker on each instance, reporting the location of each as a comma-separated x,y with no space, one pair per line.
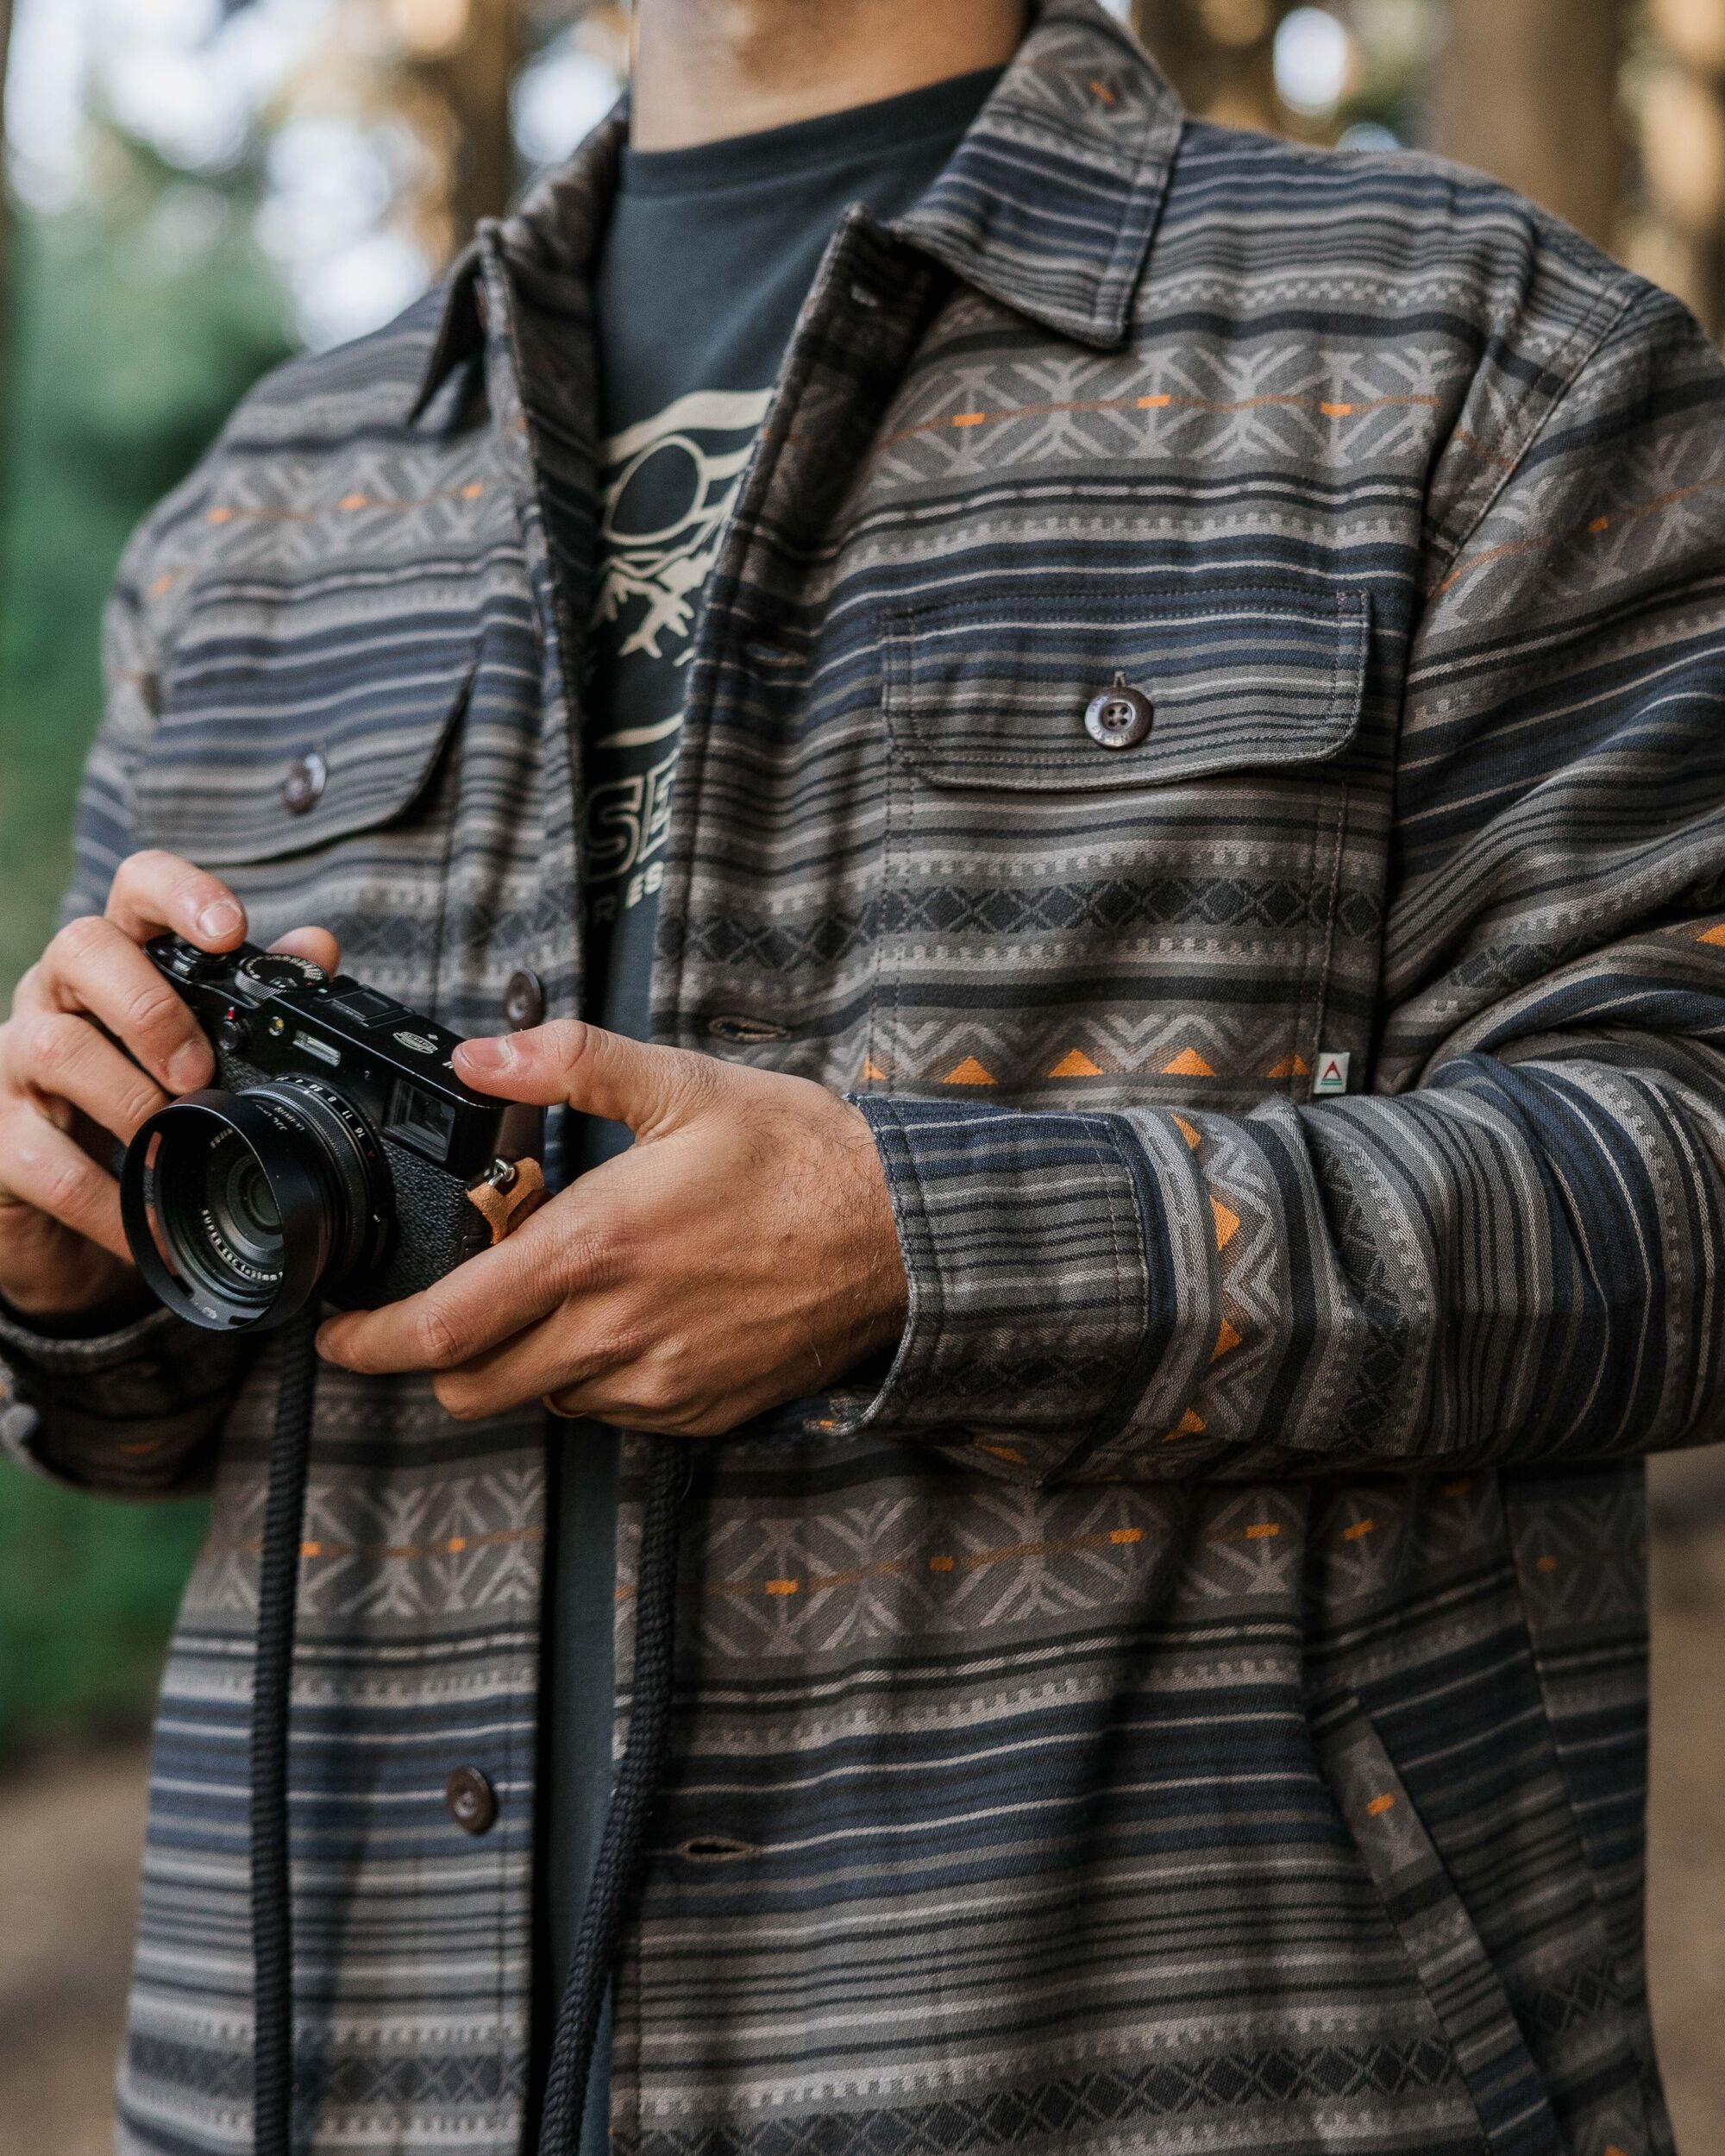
1049,205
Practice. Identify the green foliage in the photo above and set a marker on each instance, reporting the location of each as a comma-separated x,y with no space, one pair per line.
138,328
87,1592
136,333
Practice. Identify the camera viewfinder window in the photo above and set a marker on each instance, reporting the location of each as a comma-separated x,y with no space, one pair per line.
419,1120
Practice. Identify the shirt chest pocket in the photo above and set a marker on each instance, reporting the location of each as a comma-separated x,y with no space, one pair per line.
305,765
1117,839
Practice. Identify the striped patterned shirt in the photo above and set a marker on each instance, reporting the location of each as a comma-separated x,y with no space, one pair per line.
1197,1698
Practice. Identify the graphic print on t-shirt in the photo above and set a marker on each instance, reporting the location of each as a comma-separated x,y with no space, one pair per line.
667,486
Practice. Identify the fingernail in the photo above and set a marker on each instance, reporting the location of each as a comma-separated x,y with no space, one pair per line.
187,1068
221,917
488,1054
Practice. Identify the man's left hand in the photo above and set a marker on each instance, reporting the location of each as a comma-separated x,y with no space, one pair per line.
742,1253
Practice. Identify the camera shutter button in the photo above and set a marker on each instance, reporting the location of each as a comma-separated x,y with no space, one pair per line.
524,1000
302,787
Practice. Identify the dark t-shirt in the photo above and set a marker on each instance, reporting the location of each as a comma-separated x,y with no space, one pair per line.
709,255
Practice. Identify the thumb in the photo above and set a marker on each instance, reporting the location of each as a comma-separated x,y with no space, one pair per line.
599,1073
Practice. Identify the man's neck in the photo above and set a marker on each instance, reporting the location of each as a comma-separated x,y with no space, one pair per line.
707,69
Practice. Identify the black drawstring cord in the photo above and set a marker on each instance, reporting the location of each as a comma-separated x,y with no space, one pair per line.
272,1691
623,1845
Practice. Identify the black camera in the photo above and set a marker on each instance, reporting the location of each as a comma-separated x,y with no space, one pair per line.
337,1156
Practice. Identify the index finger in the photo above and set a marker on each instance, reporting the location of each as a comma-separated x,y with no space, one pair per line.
155,890
487,1300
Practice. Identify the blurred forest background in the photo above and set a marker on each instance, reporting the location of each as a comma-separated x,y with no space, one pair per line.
196,188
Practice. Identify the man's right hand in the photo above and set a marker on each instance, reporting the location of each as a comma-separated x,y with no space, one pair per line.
64,1082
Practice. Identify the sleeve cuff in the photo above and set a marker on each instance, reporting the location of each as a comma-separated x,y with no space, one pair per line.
1024,1243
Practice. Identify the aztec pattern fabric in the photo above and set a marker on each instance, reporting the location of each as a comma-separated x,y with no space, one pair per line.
1199,1699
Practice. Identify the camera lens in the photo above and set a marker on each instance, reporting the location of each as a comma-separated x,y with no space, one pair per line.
240,1207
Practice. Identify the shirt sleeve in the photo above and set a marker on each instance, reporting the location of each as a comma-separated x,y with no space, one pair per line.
133,1411
1513,1248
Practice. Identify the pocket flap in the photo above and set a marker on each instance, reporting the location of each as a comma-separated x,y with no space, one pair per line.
992,694
365,713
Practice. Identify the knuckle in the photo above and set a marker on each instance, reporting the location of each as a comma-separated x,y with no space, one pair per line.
148,867
81,939
569,1041
149,1009
436,1339
61,1183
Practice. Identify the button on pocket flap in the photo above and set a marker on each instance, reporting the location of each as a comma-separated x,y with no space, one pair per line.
1066,692
269,745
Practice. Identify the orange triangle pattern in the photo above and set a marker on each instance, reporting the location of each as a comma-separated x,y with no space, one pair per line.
872,1070
1188,1063
1189,1132
1076,1063
1712,935
969,1072
1290,1066
1227,1223
1226,1341
1192,1425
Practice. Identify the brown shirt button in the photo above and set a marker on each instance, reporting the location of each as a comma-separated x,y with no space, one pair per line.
472,1800
1120,717
302,787
524,1000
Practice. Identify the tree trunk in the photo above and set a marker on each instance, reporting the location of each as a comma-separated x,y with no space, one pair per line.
1527,92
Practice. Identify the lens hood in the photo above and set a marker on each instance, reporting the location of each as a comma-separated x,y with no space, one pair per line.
239,1207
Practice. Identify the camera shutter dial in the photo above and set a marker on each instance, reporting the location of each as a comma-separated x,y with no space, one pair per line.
272,969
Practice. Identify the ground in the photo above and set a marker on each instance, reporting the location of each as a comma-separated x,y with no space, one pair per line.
70,1829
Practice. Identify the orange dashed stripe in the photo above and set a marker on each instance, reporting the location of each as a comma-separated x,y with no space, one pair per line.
1652,507
1599,525
1262,1531
1101,90
1003,1452
1379,1805
1360,1527
225,513
1459,1488
945,1562
1547,1564
1220,407
392,1552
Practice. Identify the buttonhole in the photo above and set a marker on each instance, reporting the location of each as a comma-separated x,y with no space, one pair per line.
716,1849
765,654
746,1032
862,297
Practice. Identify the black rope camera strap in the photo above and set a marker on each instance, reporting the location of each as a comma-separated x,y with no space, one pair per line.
623,1843
271,1691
